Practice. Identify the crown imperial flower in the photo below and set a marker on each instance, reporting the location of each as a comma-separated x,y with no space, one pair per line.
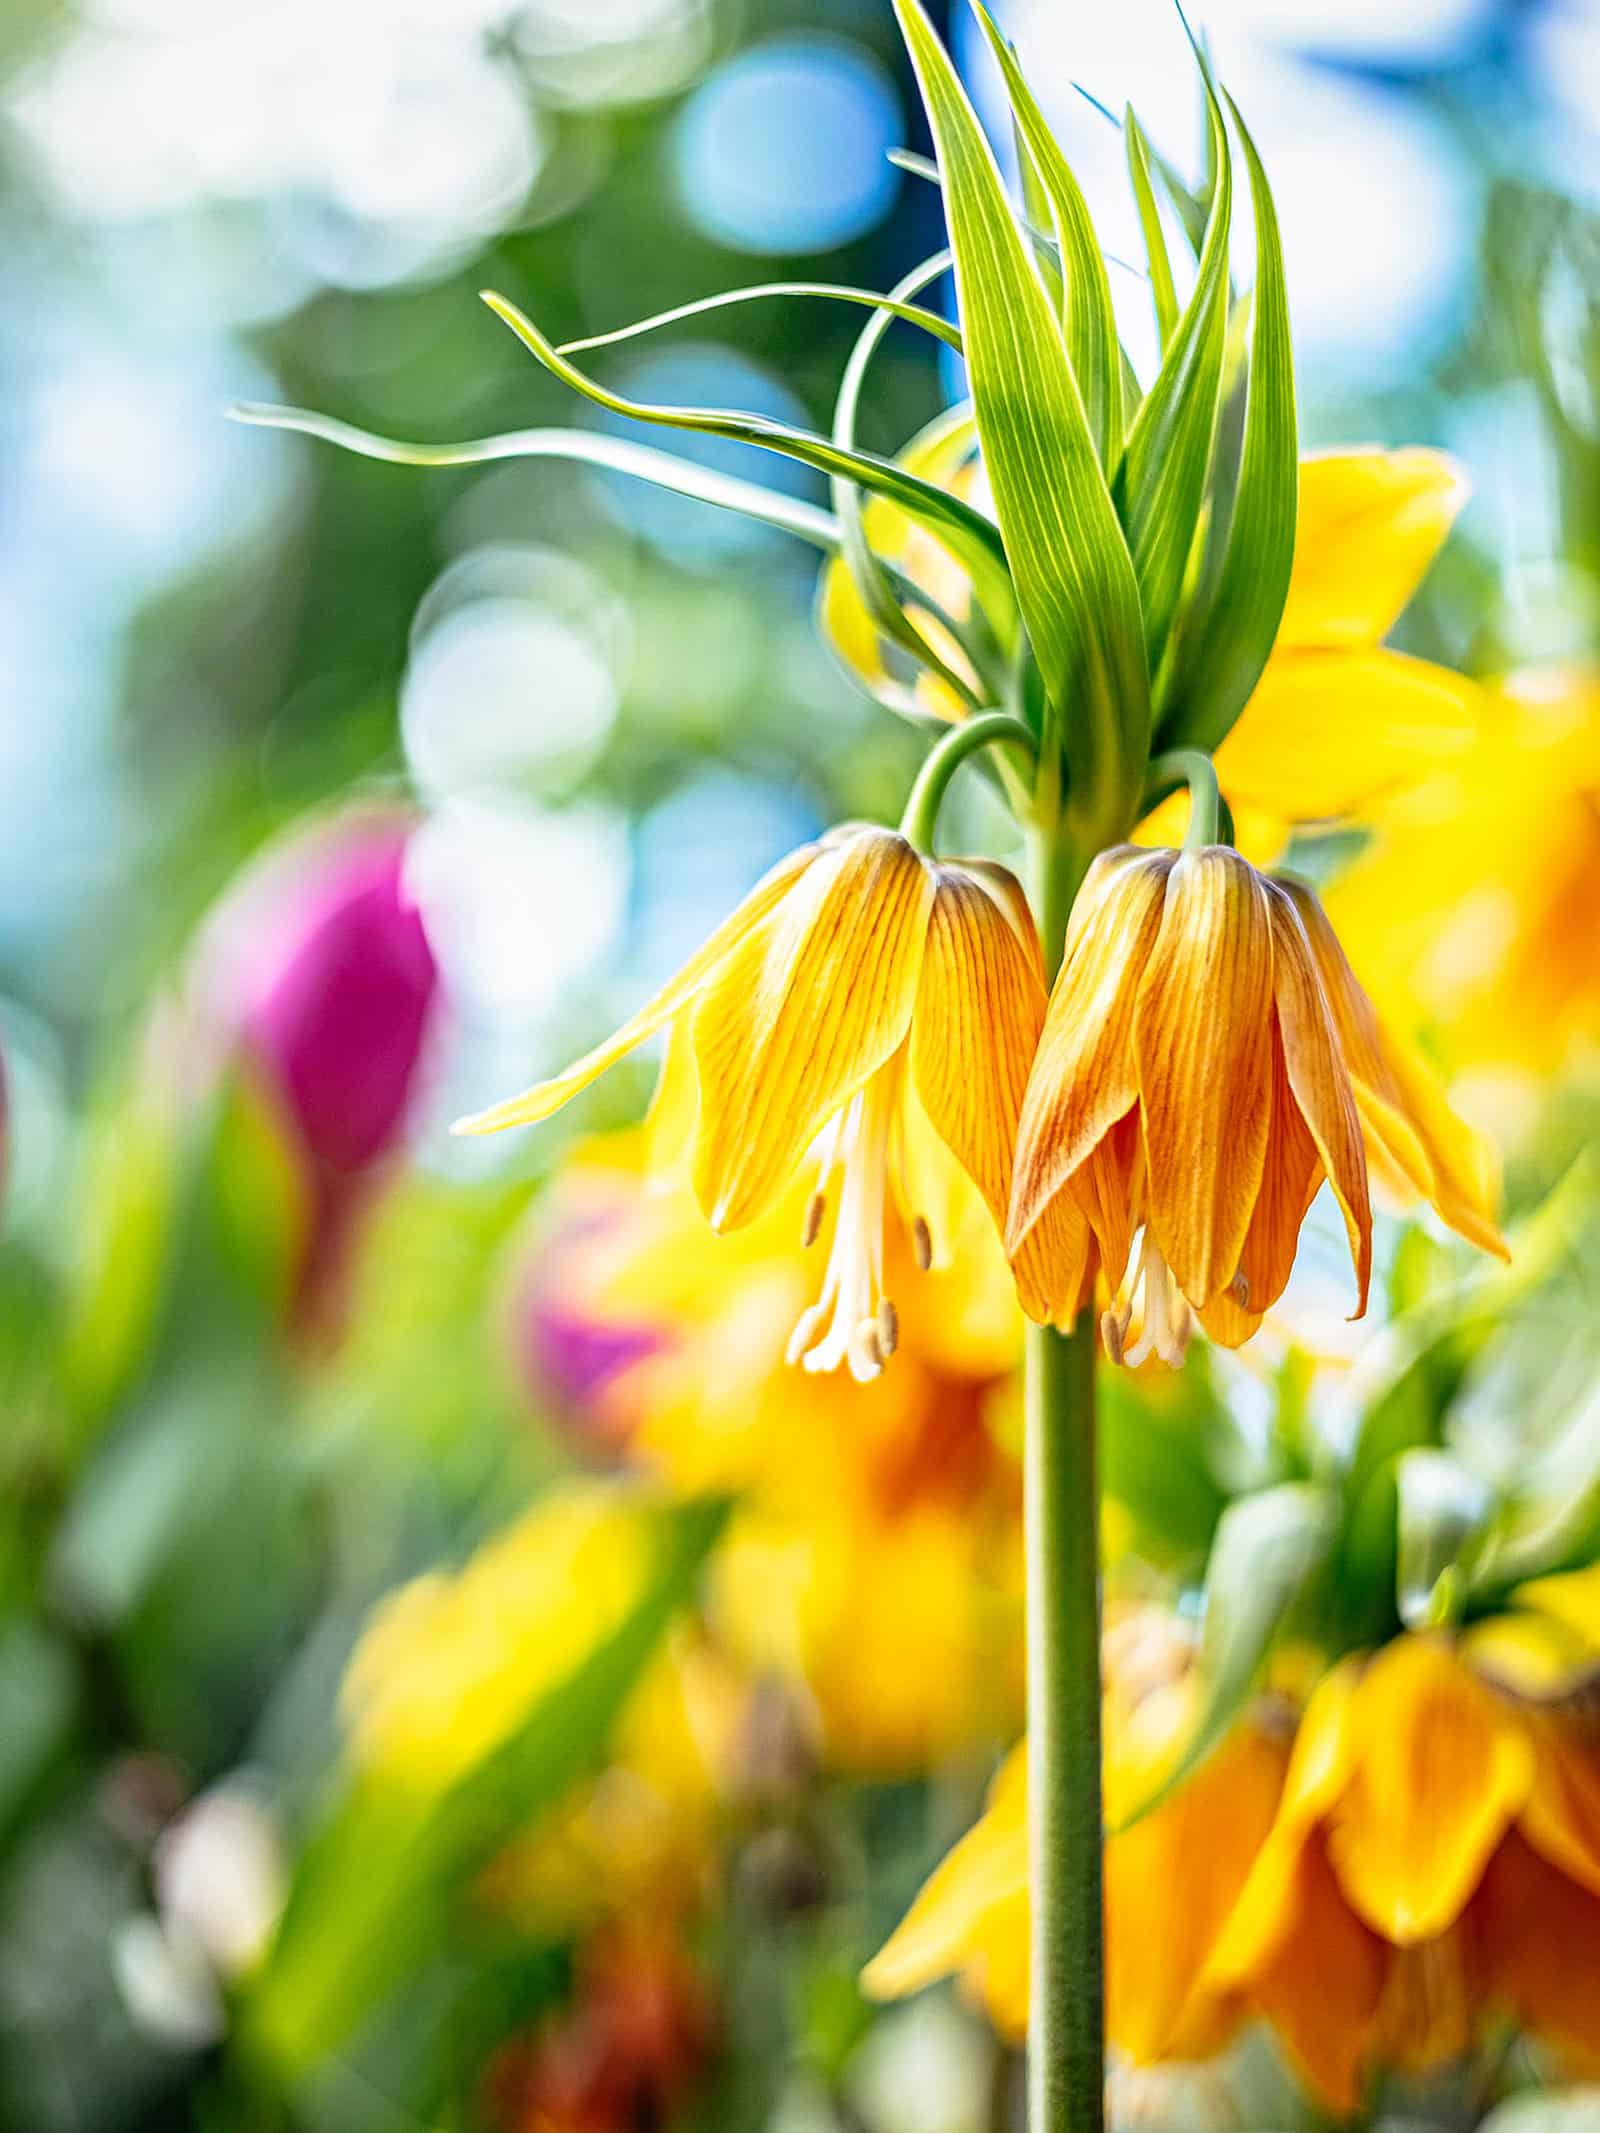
1207,1060
873,1007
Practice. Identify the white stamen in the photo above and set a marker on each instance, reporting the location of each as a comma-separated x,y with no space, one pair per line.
1167,1321
853,1322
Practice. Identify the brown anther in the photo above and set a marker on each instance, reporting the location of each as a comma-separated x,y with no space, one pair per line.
1240,1286
816,1209
871,1346
1114,1332
888,1327
922,1243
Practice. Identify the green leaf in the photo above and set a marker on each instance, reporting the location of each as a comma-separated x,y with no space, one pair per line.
971,537
1266,1550
1089,323
1161,484
1440,1505
871,578
1074,577
840,292
1162,291
375,1893
1222,655
617,455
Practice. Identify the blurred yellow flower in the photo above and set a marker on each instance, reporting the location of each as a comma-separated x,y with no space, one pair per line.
450,1664
875,1563
1434,1865
868,1005
1473,908
1337,720
1423,1864
1207,1060
1171,1880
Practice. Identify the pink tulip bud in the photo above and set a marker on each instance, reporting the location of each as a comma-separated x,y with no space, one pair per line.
574,1356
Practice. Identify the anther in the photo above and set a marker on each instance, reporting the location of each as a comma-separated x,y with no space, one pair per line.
1240,1286
922,1243
1114,1332
888,1327
816,1209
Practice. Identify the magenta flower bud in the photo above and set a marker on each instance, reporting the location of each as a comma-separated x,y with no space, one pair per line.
340,995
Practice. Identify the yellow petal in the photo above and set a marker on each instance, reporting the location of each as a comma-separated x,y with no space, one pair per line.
801,1012
1572,1598
1264,1918
975,1900
1171,1882
980,1008
1328,733
1289,1180
979,1011
1533,1655
1319,1082
1201,1042
1370,522
1083,1077
1443,1767
546,1097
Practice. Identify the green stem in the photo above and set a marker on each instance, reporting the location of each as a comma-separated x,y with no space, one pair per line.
945,759
1066,2024
1206,808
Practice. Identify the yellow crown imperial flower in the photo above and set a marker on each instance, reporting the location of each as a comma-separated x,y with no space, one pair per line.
1208,1058
875,1008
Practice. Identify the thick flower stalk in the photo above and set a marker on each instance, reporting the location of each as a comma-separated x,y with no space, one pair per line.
1208,1059
866,1011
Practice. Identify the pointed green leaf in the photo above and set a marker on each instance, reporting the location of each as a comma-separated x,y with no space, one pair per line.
1162,290
1161,484
1267,1549
839,292
1439,1506
971,537
1074,578
1222,655
617,455
1089,322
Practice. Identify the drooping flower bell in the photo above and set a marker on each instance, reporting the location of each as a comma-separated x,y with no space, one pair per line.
1207,1060
867,1006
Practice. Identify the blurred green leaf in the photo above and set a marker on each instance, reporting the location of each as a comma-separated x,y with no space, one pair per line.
1439,1507
1267,1549
377,1887
39,1696
1074,578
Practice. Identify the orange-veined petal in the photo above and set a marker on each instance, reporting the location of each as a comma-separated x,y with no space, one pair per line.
547,1097
801,1012
1442,1769
1323,1986
1202,1048
1319,1081
1540,1932
1561,1817
1083,1077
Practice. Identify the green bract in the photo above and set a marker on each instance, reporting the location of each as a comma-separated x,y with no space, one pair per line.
1124,593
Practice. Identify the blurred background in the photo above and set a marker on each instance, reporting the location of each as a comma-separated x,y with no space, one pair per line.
391,788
